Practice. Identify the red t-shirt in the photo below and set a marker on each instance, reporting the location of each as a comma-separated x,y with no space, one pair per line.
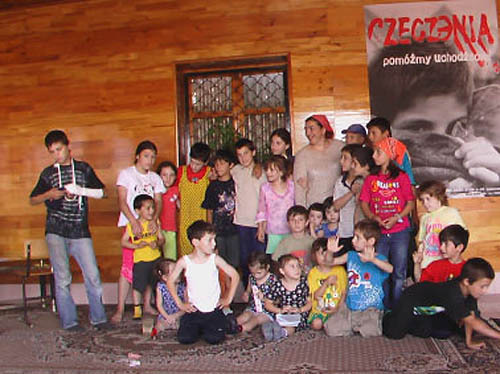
169,207
387,197
441,271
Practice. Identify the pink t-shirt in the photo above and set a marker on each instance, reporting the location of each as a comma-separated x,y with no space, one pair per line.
273,207
387,197
169,207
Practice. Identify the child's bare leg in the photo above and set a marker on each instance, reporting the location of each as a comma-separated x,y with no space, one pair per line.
244,317
317,324
123,288
254,321
160,325
290,330
136,297
147,301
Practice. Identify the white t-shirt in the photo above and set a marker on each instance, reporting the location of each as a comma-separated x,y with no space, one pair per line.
138,184
346,218
203,285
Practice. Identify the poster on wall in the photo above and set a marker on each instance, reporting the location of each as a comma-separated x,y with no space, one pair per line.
434,73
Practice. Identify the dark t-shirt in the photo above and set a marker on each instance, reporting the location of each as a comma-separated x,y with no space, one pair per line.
446,295
67,217
220,197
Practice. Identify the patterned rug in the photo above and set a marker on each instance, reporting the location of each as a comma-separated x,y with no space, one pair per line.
46,348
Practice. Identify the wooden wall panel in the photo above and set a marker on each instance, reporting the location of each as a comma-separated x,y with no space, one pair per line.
104,71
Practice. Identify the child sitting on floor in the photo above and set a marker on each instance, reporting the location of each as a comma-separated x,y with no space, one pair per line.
432,194
204,317
367,272
260,283
453,239
169,313
458,299
327,284
289,299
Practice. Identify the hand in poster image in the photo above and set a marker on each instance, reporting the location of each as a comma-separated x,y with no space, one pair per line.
480,154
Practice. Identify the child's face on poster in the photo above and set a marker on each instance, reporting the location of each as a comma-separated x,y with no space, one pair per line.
433,128
442,114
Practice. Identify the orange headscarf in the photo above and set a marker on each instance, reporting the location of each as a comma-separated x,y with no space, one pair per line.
393,148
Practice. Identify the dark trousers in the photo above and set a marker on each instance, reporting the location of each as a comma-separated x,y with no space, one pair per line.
229,248
210,327
248,244
401,321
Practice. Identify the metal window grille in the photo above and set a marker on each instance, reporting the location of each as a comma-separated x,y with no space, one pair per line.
223,107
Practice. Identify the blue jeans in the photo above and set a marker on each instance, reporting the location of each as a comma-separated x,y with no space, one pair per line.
395,247
248,244
61,249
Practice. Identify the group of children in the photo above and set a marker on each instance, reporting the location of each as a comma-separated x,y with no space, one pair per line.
317,281
336,266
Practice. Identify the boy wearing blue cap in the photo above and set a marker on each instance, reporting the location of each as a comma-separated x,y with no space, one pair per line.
355,134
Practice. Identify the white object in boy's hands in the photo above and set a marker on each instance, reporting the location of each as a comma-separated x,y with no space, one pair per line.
75,189
256,299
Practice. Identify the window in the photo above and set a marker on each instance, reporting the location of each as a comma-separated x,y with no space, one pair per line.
222,102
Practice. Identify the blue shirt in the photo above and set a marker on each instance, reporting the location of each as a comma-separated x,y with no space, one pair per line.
327,233
365,283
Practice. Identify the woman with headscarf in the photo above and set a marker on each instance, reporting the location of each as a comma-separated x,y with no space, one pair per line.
317,165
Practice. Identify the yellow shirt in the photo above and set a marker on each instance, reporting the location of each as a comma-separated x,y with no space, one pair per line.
192,194
332,294
146,254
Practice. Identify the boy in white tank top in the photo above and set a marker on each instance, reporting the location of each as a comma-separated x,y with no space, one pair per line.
204,318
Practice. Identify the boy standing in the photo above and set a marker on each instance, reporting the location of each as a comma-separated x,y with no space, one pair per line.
298,243
457,297
204,317
193,180
146,248
220,202
453,239
379,128
367,272
64,188
247,186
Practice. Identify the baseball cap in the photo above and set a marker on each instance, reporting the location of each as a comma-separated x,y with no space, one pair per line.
356,129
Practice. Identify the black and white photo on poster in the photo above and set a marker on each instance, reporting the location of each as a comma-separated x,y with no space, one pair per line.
434,73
